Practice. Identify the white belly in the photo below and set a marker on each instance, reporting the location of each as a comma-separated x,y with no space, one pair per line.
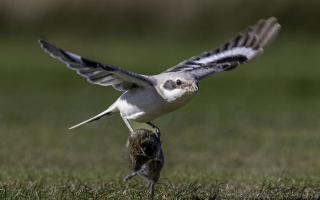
145,105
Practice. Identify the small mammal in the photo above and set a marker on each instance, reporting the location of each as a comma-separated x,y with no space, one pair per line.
146,156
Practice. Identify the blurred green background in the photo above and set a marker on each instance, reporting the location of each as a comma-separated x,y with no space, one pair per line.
257,123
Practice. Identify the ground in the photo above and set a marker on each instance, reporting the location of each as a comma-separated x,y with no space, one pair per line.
252,133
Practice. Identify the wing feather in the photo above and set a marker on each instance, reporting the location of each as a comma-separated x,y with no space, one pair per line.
243,48
98,73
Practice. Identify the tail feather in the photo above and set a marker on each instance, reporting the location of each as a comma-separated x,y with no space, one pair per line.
111,109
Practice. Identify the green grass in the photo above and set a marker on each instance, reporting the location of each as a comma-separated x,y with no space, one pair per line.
252,133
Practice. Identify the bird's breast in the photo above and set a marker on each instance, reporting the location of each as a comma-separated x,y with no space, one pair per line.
144,105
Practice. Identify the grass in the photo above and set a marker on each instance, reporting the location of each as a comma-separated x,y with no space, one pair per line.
250,134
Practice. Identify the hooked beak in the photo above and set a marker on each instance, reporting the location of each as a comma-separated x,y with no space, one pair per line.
193,87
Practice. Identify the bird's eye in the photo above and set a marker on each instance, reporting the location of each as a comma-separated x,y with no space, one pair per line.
178,82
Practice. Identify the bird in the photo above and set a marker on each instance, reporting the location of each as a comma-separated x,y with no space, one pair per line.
146,156
145,98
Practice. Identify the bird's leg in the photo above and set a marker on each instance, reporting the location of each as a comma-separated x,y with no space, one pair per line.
130,176
151,188
156,128
127,122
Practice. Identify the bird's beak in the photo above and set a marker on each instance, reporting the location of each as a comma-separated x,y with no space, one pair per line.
193,87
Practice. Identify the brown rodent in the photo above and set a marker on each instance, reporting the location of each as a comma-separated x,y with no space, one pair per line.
146,156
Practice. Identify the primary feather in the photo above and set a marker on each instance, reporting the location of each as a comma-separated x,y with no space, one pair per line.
242,49
98,73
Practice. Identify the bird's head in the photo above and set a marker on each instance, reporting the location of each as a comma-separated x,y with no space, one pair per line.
176,86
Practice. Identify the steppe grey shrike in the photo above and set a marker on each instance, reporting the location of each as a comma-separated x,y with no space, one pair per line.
146,98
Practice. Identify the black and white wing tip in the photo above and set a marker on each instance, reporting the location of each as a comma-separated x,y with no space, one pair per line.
243,48
95,72
246,46
62,55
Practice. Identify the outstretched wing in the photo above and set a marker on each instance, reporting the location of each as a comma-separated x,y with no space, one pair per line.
242,49
97,73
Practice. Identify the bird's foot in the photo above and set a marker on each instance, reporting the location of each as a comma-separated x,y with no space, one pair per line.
157,130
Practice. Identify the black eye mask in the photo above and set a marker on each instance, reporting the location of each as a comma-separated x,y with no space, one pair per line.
170,85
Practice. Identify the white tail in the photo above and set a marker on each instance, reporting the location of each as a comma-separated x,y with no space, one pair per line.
111,109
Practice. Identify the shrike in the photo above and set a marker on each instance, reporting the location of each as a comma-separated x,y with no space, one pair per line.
145,97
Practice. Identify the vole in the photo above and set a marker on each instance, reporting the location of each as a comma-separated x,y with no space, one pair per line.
146,156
